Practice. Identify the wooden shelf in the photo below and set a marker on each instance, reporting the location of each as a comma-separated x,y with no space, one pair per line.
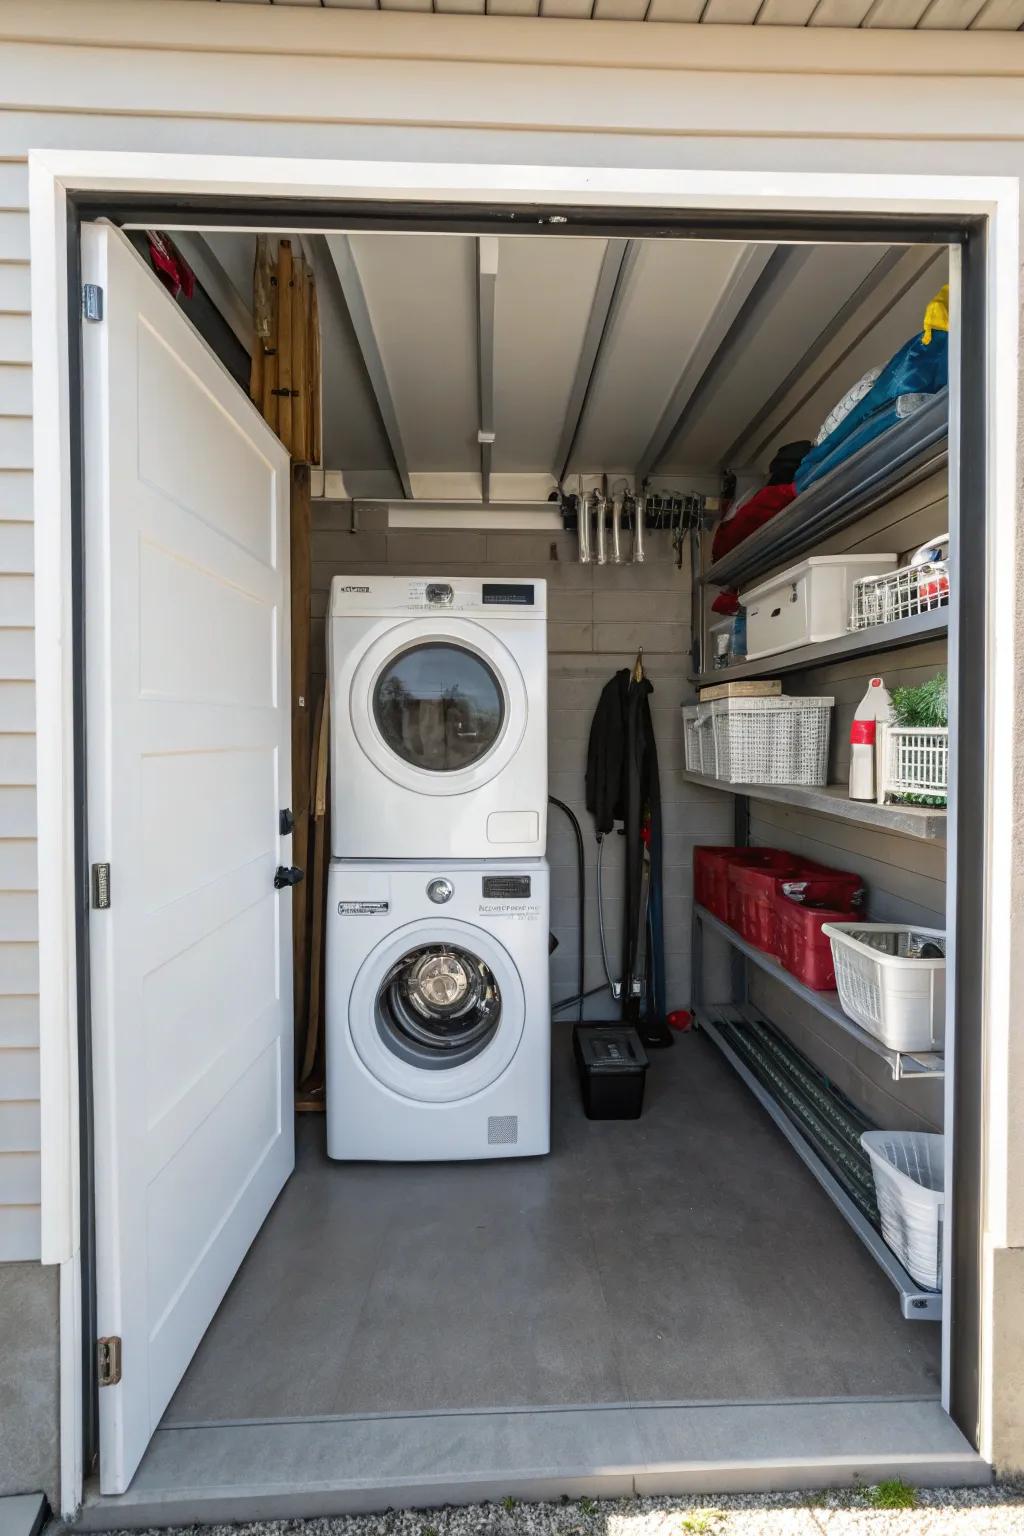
916,1304
916,630
902,1064
918,821
902,457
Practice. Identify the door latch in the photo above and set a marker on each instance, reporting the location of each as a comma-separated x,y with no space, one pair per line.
108,1361
287,874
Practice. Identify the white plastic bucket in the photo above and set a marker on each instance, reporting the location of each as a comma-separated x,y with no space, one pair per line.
907,1167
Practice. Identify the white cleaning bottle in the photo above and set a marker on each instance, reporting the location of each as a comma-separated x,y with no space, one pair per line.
874,707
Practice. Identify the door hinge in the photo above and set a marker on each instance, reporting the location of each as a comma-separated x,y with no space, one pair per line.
92,301
108,1361
101,886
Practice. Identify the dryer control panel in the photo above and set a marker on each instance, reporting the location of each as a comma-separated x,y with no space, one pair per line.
396,596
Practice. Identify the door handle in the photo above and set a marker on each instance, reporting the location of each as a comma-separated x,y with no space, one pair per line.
287,874
285,822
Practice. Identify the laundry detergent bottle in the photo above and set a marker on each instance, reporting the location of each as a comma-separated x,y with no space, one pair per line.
874,707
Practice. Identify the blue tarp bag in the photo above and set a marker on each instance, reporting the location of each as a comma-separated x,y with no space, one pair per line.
921,367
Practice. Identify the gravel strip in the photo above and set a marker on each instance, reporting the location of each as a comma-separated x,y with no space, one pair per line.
992,1511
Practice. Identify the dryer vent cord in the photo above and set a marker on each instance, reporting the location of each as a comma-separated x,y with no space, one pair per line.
580,891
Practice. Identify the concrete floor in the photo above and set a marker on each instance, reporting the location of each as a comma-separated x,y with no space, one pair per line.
685,1257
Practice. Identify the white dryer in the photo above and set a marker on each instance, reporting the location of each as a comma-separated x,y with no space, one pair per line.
438,717
438,1010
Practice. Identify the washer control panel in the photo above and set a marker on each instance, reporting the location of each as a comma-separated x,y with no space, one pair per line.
440,891
506,887
439,592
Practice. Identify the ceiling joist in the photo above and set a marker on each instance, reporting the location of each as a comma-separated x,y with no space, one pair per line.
362,324
748,286
487,282
616,266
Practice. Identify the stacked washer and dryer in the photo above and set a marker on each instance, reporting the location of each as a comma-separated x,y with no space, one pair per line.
438,1010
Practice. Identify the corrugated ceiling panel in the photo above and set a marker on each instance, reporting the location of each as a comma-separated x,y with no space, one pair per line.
619,10
840,13
896,13
786,13
731,12
675,10
544,293
513,7
950,15
406,5
672,293
814,285
421,294
999,16
572,10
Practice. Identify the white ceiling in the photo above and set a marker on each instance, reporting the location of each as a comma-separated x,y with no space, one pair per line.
671,357
935,15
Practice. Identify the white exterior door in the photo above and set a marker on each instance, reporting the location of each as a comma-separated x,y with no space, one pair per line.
188,732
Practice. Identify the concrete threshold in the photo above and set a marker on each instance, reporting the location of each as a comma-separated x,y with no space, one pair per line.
293,1468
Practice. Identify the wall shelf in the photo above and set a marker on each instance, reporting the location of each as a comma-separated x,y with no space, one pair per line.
897,460
916,1303
902,1064
923,822
916,630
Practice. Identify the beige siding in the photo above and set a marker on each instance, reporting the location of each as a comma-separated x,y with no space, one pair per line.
19,977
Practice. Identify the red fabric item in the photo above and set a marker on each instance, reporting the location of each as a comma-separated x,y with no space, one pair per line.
862,733
727,602
760,509
170,265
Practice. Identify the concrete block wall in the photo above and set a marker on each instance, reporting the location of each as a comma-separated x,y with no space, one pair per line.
597,619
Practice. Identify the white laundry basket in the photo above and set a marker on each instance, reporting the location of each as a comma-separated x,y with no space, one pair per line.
896,995
907,1167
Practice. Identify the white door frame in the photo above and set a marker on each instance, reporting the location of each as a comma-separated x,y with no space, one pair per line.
54,174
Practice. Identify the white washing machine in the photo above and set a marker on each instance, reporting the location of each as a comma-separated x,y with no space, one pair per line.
438,718
438,1010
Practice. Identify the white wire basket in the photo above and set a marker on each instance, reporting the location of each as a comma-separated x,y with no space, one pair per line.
776,740
908,1170
913,763
887,986
918,587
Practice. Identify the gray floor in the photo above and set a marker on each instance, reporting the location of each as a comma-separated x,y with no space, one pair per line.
685,1257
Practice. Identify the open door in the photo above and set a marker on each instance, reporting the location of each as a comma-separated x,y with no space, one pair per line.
189,769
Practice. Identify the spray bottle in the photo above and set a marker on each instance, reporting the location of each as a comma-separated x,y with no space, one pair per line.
874,708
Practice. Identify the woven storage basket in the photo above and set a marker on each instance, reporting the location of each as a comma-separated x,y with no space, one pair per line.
769,741
907,1167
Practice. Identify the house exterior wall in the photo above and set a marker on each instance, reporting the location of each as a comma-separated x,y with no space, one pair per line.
231,79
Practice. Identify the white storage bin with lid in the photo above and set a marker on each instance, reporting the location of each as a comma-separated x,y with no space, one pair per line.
808,603
908,1170
774,740
887,987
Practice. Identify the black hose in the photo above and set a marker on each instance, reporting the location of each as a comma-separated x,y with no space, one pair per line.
581,890
570,1002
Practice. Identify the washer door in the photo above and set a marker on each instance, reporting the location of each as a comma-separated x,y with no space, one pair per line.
437,1011
440,711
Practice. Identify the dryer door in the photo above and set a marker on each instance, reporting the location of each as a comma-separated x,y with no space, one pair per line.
437,1011
441,711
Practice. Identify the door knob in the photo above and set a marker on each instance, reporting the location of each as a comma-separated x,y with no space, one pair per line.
286,874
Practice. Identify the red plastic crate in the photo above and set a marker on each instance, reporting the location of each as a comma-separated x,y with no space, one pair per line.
752,884
711,873
802,947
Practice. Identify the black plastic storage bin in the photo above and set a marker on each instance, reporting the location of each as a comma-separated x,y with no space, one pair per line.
612,1064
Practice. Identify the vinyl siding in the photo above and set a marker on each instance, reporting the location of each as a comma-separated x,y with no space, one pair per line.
19,967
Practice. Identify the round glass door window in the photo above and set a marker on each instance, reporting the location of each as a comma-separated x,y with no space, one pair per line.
438,1006
439,706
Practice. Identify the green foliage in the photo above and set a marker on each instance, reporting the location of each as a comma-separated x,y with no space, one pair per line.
700,1522
508,1503
588,1506
894,1493
925,706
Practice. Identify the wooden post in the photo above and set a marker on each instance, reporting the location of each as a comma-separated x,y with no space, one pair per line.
284,343
269,402
301,745
300,398
313,367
